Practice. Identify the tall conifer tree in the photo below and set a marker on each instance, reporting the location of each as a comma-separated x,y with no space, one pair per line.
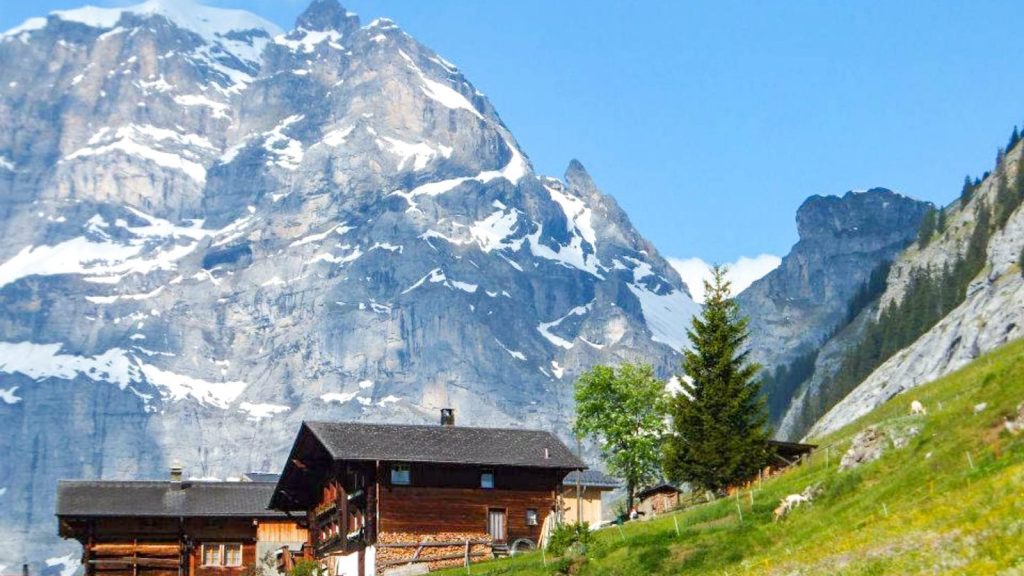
967,190
927,229
720,430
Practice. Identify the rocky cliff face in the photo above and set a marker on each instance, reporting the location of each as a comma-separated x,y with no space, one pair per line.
991,314
799,306
215,229
842,240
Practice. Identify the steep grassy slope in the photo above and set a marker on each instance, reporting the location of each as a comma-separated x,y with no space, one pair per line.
949,502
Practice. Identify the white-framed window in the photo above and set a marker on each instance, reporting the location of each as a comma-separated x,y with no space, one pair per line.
487,479
400,475
531,516
222,554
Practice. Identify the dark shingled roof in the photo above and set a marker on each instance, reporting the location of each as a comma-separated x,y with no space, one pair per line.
443,444
592,479
663,487
150,499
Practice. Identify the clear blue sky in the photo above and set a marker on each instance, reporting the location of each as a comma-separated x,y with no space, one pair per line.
711,121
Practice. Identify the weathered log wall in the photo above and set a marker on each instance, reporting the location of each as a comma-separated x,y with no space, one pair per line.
417,510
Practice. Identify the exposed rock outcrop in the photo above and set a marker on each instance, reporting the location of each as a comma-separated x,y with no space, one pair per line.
991,315
799,306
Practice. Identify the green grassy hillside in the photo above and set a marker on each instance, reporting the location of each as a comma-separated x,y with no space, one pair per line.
949,502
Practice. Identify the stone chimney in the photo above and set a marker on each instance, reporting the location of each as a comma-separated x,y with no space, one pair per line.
447,417
176,472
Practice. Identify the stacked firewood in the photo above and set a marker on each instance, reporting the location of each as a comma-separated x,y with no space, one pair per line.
440,550
111,559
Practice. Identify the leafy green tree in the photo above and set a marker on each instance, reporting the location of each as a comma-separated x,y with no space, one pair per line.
720,430
940,224
624,409
1020,261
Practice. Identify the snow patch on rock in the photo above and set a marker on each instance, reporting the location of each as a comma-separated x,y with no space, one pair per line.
8,396
545,327
259,412
667,315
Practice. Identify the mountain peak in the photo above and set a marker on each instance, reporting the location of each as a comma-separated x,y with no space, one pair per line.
323,15
207,21
577,176
857,213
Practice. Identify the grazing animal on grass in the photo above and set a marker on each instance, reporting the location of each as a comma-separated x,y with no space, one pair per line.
917,408
787,504
1012,426
779,512
795,500
1015,426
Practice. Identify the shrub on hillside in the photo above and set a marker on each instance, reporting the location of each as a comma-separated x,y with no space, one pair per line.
568,536
306,568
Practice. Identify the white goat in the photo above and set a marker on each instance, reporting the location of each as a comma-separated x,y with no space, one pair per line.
795,500
787,504
1013,426
917,408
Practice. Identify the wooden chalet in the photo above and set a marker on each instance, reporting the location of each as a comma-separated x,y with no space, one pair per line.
382,496
174,528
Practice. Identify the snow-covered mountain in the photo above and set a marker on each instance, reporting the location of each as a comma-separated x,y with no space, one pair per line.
215,229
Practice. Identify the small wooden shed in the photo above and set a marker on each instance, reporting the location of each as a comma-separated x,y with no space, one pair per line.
657,499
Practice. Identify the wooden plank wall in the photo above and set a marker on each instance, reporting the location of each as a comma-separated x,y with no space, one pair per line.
426,510
591,505
140,547
280,531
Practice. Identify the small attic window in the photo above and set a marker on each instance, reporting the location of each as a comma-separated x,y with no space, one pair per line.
400,475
